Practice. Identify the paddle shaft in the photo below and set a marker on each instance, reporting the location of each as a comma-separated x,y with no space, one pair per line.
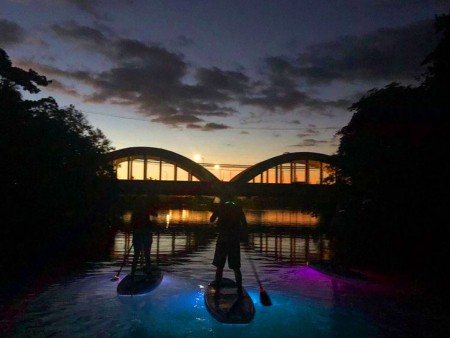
252,264
263,295
124,260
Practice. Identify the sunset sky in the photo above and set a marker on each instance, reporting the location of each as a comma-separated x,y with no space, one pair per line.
235,81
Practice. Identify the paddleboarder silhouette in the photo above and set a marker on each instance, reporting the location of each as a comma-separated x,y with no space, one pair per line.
142,222
230,223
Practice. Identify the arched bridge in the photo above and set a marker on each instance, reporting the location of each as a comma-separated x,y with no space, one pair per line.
160,171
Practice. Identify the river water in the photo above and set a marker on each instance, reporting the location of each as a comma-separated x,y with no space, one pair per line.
306,302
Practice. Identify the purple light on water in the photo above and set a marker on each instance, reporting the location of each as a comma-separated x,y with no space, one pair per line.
310,273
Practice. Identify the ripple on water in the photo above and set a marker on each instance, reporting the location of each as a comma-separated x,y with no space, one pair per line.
305,303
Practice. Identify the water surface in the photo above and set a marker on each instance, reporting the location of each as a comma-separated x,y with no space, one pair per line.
306,303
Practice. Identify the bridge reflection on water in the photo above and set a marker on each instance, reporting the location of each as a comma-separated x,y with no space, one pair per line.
279,235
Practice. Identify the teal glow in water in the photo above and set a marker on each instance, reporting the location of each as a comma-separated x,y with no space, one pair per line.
305,303
90,306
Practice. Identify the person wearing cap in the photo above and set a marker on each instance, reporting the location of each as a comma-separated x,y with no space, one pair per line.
230,223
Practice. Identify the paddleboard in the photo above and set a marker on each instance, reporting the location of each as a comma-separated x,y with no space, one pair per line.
226,308
142,282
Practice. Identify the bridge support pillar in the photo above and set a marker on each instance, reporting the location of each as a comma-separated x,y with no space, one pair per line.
321,172
145,167
293,173
129,168
307,171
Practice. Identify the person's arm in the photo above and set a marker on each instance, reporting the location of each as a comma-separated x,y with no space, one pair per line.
213,217
243,219
243,228
153,212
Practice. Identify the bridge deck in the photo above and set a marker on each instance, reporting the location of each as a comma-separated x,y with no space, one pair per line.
214,188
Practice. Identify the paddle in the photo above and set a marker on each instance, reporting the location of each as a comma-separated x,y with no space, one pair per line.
263,295
116,277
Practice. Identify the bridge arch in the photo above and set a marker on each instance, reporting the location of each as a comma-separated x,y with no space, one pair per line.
147,156
298,167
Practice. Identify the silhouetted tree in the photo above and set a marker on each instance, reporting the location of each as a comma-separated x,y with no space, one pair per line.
392,156
54,177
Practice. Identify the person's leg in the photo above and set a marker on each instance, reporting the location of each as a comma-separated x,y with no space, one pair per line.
147,251
234,262
218,281
238,276
138,248
146,267
219,274
150,248
220,257
136,256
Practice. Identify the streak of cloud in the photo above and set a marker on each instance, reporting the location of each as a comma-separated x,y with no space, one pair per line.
11,33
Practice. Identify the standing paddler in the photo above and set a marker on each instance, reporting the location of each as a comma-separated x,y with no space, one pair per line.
142,222
230,223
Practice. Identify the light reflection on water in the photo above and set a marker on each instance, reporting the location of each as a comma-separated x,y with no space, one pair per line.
305,302
254,217
189,251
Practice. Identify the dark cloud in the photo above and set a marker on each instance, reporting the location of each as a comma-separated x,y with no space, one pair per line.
58,86
11,33
251,118
194,126
308,132
211,126
386,54
85,36
214,126
175,120
207,109
283,99
96,8
280,91
162,86
276,100
88,6
310,142
227,81
50,71
152,78
282,73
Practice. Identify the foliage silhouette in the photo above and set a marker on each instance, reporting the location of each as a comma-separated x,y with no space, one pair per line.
392,161
55,181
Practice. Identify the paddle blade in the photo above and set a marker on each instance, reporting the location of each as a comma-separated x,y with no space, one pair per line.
264,298
115,278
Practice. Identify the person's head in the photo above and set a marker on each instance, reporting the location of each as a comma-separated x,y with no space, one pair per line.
227,195
139,203
224,198
142,202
